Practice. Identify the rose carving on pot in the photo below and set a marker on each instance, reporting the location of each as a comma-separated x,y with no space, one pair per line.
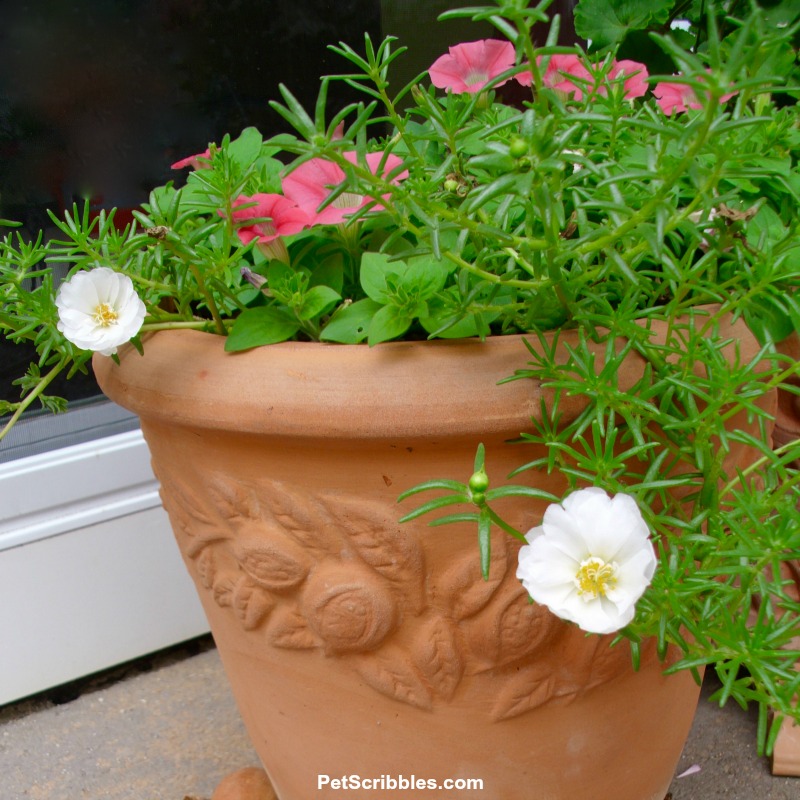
509,629
348,607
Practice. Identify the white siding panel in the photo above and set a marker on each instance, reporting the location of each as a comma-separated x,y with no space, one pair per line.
90,575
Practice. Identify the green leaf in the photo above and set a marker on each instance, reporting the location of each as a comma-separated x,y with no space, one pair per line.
425,276
317,301
279,274
485,541
55,405
421,276
434,505
374,269
521,491
608,22
768,321
329,273
162,198
259,326
437,483
197,196
480,458
450,519
349,325
268,173
294,113
764,227
388,323
782,14
460,329
246,149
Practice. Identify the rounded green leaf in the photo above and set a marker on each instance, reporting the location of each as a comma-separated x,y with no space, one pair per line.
388,323
259,326
350,324
318,301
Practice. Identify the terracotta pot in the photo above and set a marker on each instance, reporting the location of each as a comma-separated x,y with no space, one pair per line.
357,646
786,752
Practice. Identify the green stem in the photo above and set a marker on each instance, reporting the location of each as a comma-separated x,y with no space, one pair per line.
199,324
160,287
503,525
382,187
646,211
32,395
212,306
395,118
490,277
201,285
757,465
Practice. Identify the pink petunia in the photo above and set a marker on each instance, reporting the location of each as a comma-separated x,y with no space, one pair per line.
562,69
679,97
571,75
276,217
313,181
194,161
469,66
635,77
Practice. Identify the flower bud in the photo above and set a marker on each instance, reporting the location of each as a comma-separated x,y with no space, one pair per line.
517,147
479,482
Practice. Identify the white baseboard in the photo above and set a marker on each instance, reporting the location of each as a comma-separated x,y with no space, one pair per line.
67,489
90,575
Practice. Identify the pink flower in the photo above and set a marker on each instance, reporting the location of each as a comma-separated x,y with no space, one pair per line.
635,77
312,182
676,97
194,161
679,97
571,74
469,66
561,69
278,217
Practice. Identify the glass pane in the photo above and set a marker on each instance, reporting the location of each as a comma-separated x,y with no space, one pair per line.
84,421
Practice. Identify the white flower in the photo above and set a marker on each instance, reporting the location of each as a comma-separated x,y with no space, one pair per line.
590,560
99,310
576,165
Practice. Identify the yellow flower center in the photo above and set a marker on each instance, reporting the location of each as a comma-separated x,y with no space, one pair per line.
104,315
595,577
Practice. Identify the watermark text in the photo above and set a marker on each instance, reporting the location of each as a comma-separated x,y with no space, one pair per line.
391,782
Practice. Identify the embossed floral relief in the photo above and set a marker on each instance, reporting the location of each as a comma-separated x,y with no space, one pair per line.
338,575
349,607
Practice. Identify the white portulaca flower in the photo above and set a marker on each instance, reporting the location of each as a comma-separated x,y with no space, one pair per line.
590,560
576,165
99,310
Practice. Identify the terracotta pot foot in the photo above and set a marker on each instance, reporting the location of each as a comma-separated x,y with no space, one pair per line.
786,755
250,783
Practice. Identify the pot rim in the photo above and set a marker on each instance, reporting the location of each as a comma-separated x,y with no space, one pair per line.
297,388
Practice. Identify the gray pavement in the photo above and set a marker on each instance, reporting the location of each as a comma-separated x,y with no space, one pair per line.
166,728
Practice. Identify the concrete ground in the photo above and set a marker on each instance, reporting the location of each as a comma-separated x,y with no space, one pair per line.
166,728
